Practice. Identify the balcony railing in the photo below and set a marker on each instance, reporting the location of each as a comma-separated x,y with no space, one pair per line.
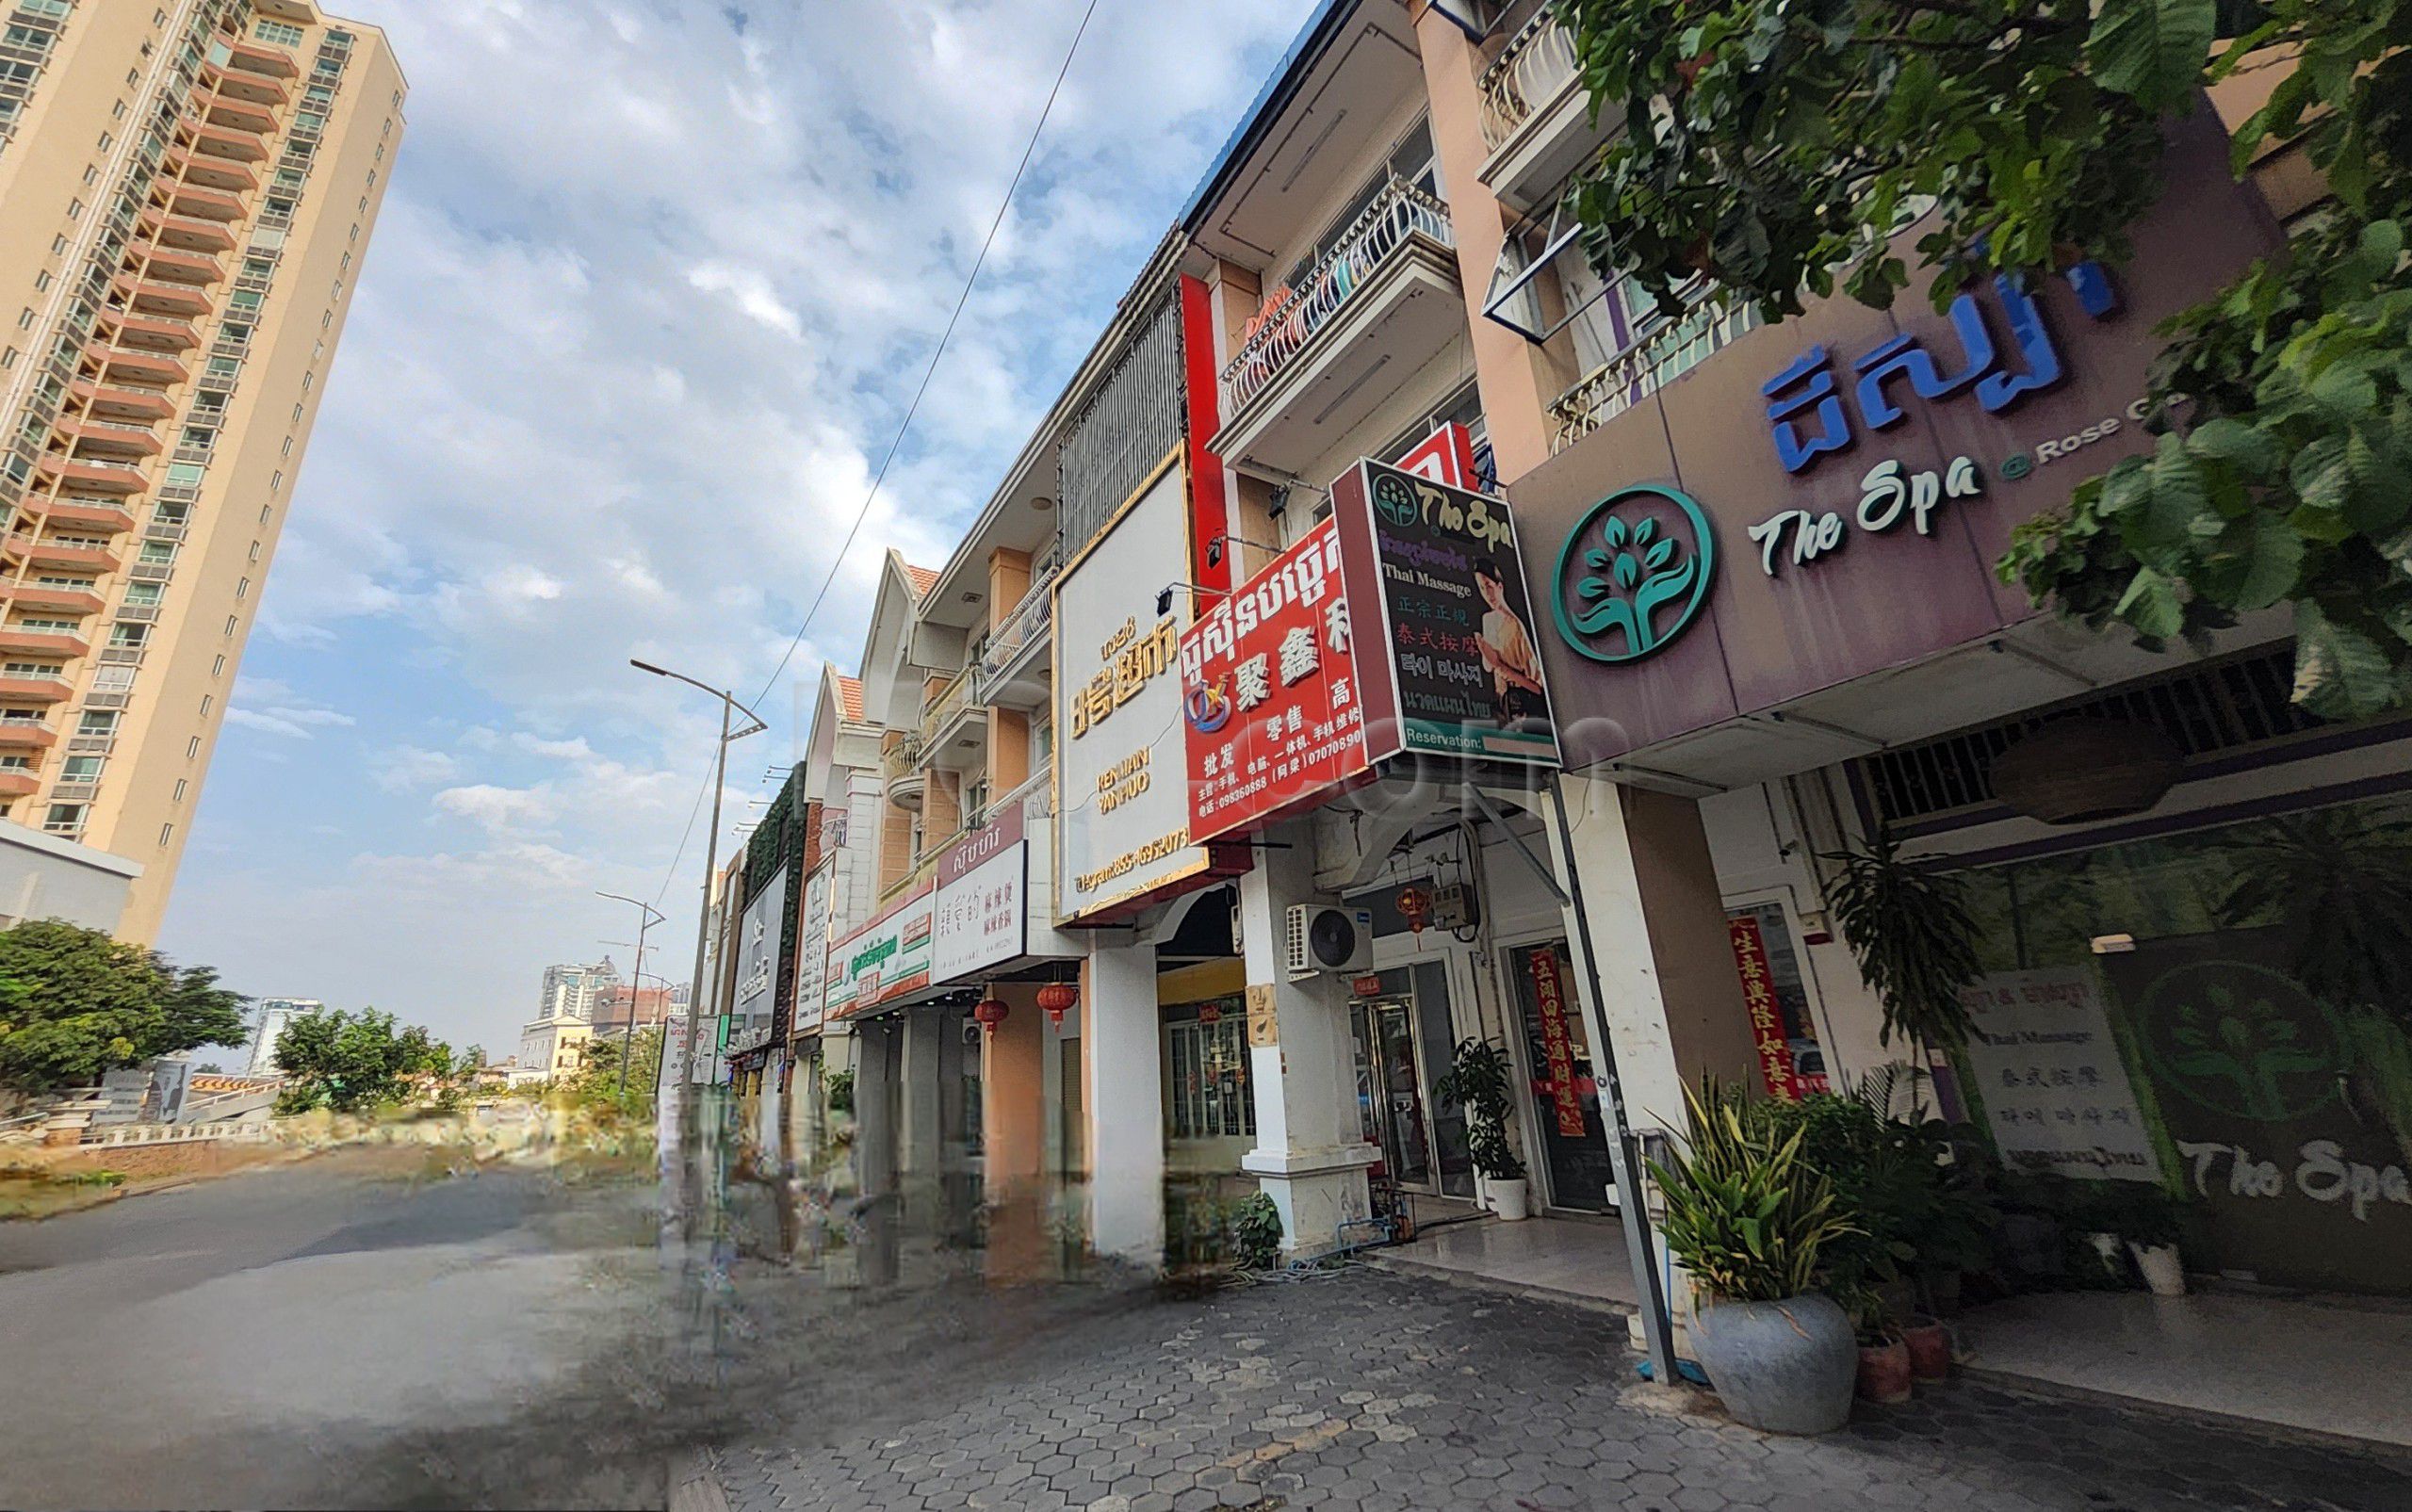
900,758
1025,625
1400,212
1645,367
1537,63
951,700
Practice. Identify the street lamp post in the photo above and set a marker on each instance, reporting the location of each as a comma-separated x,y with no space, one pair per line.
728,707
645,920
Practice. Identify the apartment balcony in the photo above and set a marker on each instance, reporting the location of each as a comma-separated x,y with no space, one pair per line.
16,547
145,297
190,270
226,142
89,516
101,438
207,204
110,403
1537,115
14,642
18,784
258,57
238,114
187,233
26,734
259,88
18,689
213,172
149,333
95,473
943,712
65,600
1645,367
1367,317
1012,668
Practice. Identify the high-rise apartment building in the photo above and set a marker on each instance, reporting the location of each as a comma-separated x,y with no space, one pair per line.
186,190
275,1013
574,991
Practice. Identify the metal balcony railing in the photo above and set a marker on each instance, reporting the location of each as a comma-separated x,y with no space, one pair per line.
1536,64
951,700
1401,212
1027,624
1645,367
898,759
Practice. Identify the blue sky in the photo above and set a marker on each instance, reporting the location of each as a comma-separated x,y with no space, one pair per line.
652,286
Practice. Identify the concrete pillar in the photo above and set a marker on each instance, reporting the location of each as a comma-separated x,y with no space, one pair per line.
1013,1119
1311,1153
1122,1072
1672,1000
921,1093
875,1112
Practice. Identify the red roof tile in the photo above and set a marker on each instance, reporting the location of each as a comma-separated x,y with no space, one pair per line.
923,580
849,696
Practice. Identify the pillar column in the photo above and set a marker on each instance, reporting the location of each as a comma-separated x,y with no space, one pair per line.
875,1110
921,1093
1013,1120
1122,1074
1311,1153
1671,999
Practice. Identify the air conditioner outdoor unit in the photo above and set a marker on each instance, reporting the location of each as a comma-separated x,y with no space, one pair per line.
1323,939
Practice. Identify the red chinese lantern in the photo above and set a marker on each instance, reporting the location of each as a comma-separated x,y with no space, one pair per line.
990,1014
1210,1013
1056,998
1416,906
1367,986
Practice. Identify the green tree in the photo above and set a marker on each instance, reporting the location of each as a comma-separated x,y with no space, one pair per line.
75,1004
1778,148
347,1062
598,1075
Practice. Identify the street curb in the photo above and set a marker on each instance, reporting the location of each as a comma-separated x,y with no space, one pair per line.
2378,1449
694,1483
1472,1281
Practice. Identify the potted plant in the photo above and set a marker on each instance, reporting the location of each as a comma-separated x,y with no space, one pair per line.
1480,1079
2147,1218
1909,930
1749,1221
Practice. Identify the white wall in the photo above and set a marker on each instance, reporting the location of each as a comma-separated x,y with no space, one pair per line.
42,876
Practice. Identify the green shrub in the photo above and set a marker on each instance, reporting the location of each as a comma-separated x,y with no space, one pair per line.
1254,1225
1745,1215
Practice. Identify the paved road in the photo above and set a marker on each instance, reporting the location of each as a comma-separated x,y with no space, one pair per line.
325,1335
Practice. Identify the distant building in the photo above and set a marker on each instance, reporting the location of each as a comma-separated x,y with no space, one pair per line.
571,991
49,876
618,1009
275,1013
554,1047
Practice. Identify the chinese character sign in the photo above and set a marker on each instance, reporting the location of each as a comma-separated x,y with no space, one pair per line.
1565,1085
1767,1017
1268,682
2055,1090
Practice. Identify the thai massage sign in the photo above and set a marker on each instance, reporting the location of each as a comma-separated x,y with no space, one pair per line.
1269,692
2056,1094
1449,666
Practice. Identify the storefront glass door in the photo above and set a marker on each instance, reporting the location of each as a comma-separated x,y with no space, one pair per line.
1566,1099
1402,1042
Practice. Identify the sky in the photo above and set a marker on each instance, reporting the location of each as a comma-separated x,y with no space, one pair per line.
653,284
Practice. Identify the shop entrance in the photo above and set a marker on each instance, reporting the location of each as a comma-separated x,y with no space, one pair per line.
1402,1041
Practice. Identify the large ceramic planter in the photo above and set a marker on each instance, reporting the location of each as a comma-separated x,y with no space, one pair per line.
1783,1367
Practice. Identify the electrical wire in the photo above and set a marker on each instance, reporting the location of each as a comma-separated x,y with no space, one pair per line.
1028,151
688,833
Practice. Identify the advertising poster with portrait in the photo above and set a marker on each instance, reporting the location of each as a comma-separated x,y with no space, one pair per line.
1450,667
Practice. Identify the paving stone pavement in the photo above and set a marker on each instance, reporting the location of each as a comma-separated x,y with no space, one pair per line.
1365,1390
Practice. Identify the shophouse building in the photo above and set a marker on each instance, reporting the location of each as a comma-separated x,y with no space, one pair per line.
1369,394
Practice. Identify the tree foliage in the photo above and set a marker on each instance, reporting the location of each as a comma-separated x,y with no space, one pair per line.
1778,148
76,1004
348,1061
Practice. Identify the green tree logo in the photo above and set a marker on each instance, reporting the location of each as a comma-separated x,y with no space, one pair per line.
2242,1041
1634,573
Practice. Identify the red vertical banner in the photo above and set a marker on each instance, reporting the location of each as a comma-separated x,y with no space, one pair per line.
1209,511
1565,1086
1767,1019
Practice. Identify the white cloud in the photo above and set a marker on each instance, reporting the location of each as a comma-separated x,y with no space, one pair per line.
273,707
409,767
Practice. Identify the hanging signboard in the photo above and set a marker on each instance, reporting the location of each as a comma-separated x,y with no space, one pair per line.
980,917
887,959
1122,833
1767,1019
1268,687
761,932
1565,1088
2055,1090
813,950
1455,670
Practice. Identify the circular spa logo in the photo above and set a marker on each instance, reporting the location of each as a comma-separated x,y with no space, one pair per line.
2241,1040
1395,497
1634,573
